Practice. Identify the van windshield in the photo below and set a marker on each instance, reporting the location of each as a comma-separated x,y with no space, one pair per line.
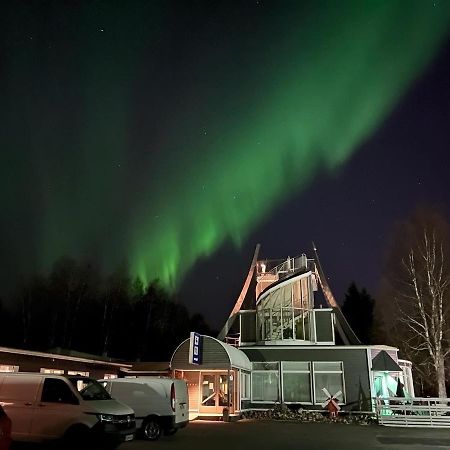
89,388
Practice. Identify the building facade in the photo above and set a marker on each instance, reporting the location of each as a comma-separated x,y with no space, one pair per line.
61,363
287,345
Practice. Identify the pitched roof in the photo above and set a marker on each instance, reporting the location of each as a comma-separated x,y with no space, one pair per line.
384,363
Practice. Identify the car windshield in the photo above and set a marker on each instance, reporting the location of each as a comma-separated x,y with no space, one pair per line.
89,388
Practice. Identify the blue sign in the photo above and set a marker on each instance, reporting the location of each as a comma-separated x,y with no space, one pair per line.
195,348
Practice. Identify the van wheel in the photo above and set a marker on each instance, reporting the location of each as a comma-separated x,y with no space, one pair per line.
152,429
77,436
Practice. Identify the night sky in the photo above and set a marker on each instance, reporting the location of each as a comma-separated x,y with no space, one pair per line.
177,135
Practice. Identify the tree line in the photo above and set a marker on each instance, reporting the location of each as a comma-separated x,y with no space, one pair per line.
75,307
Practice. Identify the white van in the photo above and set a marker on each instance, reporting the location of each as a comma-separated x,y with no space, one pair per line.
160,404
47,407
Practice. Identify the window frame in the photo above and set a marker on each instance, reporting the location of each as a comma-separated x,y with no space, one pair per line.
246,380
74,399
309,372
277,372
341,372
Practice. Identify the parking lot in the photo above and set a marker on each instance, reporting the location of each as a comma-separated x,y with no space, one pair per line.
251,435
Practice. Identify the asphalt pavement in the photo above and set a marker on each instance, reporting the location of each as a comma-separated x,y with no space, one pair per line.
260,435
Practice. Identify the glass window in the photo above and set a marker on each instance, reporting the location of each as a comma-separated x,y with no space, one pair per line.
110,376
89,388
208,390
265,366
276,324
296,387
76,372
52,371
57,391
295,366
223,390
305,295
245,386
328,367
265,386
266,325
5,368
288,332
329,376
330,381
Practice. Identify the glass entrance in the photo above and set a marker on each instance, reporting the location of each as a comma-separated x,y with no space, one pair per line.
215,392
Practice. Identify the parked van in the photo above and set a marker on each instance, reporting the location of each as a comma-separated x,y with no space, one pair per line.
160,404
46,407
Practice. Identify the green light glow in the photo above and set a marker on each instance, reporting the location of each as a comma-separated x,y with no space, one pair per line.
333,80
144,134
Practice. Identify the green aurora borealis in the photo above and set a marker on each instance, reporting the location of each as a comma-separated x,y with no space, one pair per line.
126,143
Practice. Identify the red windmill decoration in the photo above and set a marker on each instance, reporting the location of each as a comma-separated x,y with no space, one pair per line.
332,402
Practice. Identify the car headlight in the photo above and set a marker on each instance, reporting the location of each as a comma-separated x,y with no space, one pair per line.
105,417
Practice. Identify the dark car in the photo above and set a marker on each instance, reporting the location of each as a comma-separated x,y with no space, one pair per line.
5,430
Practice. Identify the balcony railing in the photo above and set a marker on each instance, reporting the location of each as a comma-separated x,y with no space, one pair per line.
286,268
235,340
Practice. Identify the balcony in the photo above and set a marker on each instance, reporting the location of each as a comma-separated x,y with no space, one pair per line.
269,272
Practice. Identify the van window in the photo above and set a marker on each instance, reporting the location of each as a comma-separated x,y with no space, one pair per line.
89,388
57,391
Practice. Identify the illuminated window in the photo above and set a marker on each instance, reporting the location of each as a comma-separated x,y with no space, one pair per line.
284,313
4,368
77,372
296,382
328,375
265,382
109,376
52,371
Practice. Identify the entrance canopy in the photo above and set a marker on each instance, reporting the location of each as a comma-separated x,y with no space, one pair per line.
216,355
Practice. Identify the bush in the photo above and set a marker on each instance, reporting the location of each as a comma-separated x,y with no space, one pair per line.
283,412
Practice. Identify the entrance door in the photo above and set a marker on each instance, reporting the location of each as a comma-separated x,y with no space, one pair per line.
215,393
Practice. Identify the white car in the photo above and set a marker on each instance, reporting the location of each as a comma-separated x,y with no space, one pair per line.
160,404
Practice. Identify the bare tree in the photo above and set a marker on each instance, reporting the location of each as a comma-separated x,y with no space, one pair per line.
416,303
423,304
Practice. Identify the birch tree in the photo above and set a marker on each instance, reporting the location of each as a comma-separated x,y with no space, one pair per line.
423,304
416,303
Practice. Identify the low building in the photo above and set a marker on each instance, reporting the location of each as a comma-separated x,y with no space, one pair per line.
61,362
282,346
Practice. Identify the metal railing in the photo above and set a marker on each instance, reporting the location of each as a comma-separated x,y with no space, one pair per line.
235,340
413,412
285,268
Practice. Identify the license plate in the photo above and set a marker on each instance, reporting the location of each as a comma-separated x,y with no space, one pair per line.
129,437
